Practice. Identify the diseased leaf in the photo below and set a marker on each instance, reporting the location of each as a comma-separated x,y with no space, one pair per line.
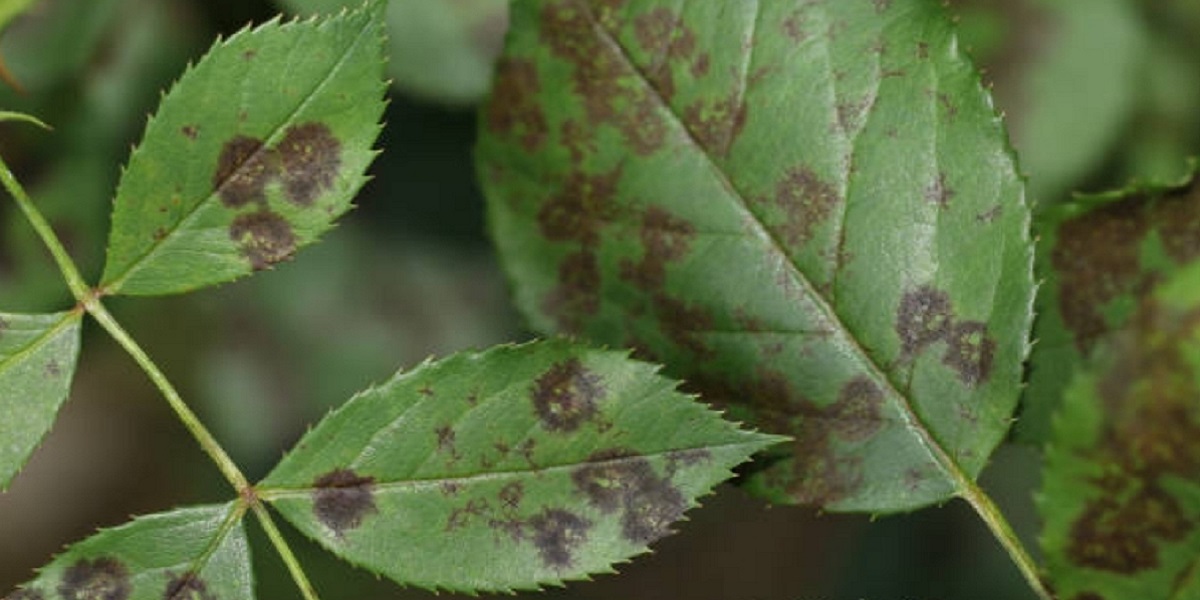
806,208
1098,256
37,363
506,469
442,51
251,156
1121,498
194,553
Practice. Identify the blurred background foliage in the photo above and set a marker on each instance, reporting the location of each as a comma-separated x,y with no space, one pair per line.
1096,93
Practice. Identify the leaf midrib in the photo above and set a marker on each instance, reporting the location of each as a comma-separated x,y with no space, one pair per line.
913,420
156,245
277,493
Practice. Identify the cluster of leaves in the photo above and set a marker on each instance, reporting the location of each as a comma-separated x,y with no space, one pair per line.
806,210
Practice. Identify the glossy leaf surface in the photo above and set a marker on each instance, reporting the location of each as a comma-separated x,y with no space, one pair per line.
37,363
1121,499
1098,257
251,156
193,553
507,469
441,51
805,208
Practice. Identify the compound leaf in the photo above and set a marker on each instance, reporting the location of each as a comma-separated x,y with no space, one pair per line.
194,553
506,469
806,207
1121,498
252,155
37,363
1099,255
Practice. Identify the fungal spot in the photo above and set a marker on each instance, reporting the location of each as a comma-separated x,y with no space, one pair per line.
938,193
716,124
1149,432
683,323
3,327
190,131
881,5
806,201
446,441
309,159
856,414
617,480
514,109
557,534
243,170
581,208
462,516
1098,255
663,36
600,76
793,28
924,317
566,396
99,579
969,351
53,369
342,500
265,237
187,587
577,293
249,54
511,495
665,238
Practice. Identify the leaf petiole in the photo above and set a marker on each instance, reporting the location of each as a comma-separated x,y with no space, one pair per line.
285,551
1003,531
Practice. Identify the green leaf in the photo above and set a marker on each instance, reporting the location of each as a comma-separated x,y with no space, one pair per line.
194,553
1098,256
506,469
251,156
804,207
442,51
1121,498
37,363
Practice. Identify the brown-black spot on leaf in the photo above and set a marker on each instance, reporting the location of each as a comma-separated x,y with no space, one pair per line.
264,237
600,76
244,168
938,192
665,238
557,534
190,131
3,327
309,157
511,495
650,510
716,124
611,475
461,517
577,294
683,323
969,352
821,475
342,500
1121,536
188,586
102,578
581,208
567,395
806,201
856,414
447,441
924,316
514,109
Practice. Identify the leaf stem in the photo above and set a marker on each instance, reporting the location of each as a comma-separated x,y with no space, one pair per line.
285,552
206,440
1003,531
79,288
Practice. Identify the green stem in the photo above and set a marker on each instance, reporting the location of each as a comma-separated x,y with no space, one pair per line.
991,515
206,440
79,288
285,552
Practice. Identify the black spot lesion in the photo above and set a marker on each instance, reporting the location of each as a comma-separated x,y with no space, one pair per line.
103,578
342,500
188,586
926,316
567,395
557,535
305,162
618,480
